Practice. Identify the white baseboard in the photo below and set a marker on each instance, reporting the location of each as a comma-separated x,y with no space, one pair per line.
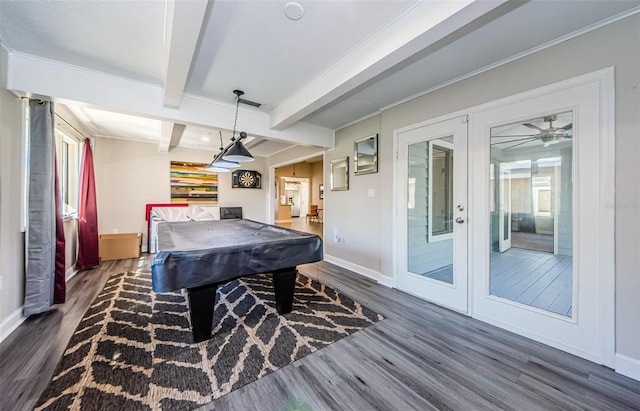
10,323
16,318
628,366
358,269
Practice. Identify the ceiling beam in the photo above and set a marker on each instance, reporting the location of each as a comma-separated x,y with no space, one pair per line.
170,135
67,82
418,28
183,23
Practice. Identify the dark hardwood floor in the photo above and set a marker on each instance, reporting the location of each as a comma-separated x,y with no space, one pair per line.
30,354
420,357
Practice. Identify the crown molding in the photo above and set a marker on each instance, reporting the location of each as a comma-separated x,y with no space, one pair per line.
518,56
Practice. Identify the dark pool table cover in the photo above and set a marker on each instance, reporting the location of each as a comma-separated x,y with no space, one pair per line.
196,253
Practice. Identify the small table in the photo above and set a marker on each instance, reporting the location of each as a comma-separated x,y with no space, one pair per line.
200,255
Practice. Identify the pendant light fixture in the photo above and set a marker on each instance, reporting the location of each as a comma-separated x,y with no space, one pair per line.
295,180
237,151
219,164
231,155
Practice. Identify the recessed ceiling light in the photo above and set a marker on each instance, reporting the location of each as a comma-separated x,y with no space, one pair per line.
293,10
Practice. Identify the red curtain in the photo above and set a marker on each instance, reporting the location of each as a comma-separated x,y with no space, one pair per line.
87,214
59,284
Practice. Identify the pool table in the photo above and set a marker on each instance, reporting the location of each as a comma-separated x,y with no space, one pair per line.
200,255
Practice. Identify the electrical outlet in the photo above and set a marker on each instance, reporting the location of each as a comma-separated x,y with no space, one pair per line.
115,231
337,238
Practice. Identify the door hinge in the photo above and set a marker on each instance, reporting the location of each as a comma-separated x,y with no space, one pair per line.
464,119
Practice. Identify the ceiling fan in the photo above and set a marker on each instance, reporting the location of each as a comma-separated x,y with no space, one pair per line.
547,136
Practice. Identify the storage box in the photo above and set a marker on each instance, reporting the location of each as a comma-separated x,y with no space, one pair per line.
119,246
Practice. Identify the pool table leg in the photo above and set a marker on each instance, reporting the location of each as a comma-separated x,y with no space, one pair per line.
284,282
201,304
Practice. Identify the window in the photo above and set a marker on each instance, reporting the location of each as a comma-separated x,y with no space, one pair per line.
440,190
541,187
67,151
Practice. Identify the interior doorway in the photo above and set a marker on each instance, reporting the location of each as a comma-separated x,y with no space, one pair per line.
296,193
298,188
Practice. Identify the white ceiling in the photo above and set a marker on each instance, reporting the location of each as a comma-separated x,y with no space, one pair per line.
140,69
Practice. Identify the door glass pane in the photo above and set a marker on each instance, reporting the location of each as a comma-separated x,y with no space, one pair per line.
532,212
430,209
442,190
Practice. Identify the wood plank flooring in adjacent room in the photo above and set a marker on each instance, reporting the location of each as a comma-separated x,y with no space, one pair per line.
535,278
302,224
420,357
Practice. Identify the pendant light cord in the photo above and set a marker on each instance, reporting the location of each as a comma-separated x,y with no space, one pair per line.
235,122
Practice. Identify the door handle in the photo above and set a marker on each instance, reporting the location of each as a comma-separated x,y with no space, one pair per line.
459,220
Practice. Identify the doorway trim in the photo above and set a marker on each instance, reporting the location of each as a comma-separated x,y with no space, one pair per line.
271,192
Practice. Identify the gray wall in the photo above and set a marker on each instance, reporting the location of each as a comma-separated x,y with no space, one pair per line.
11,238
356,217
367,222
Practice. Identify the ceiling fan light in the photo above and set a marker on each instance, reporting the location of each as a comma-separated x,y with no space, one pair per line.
238,152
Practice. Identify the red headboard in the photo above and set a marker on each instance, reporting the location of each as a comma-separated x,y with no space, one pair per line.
147,214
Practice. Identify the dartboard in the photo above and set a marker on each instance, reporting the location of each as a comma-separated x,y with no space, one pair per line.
246,179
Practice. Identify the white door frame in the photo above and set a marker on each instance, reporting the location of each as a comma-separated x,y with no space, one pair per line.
272,183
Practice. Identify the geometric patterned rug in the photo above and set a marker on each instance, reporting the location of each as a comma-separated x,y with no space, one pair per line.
133,351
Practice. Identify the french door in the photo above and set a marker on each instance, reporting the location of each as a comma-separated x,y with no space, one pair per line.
516,231
540,247
432,231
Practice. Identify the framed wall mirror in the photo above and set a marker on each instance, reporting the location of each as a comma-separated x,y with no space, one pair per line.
366,155
340,174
